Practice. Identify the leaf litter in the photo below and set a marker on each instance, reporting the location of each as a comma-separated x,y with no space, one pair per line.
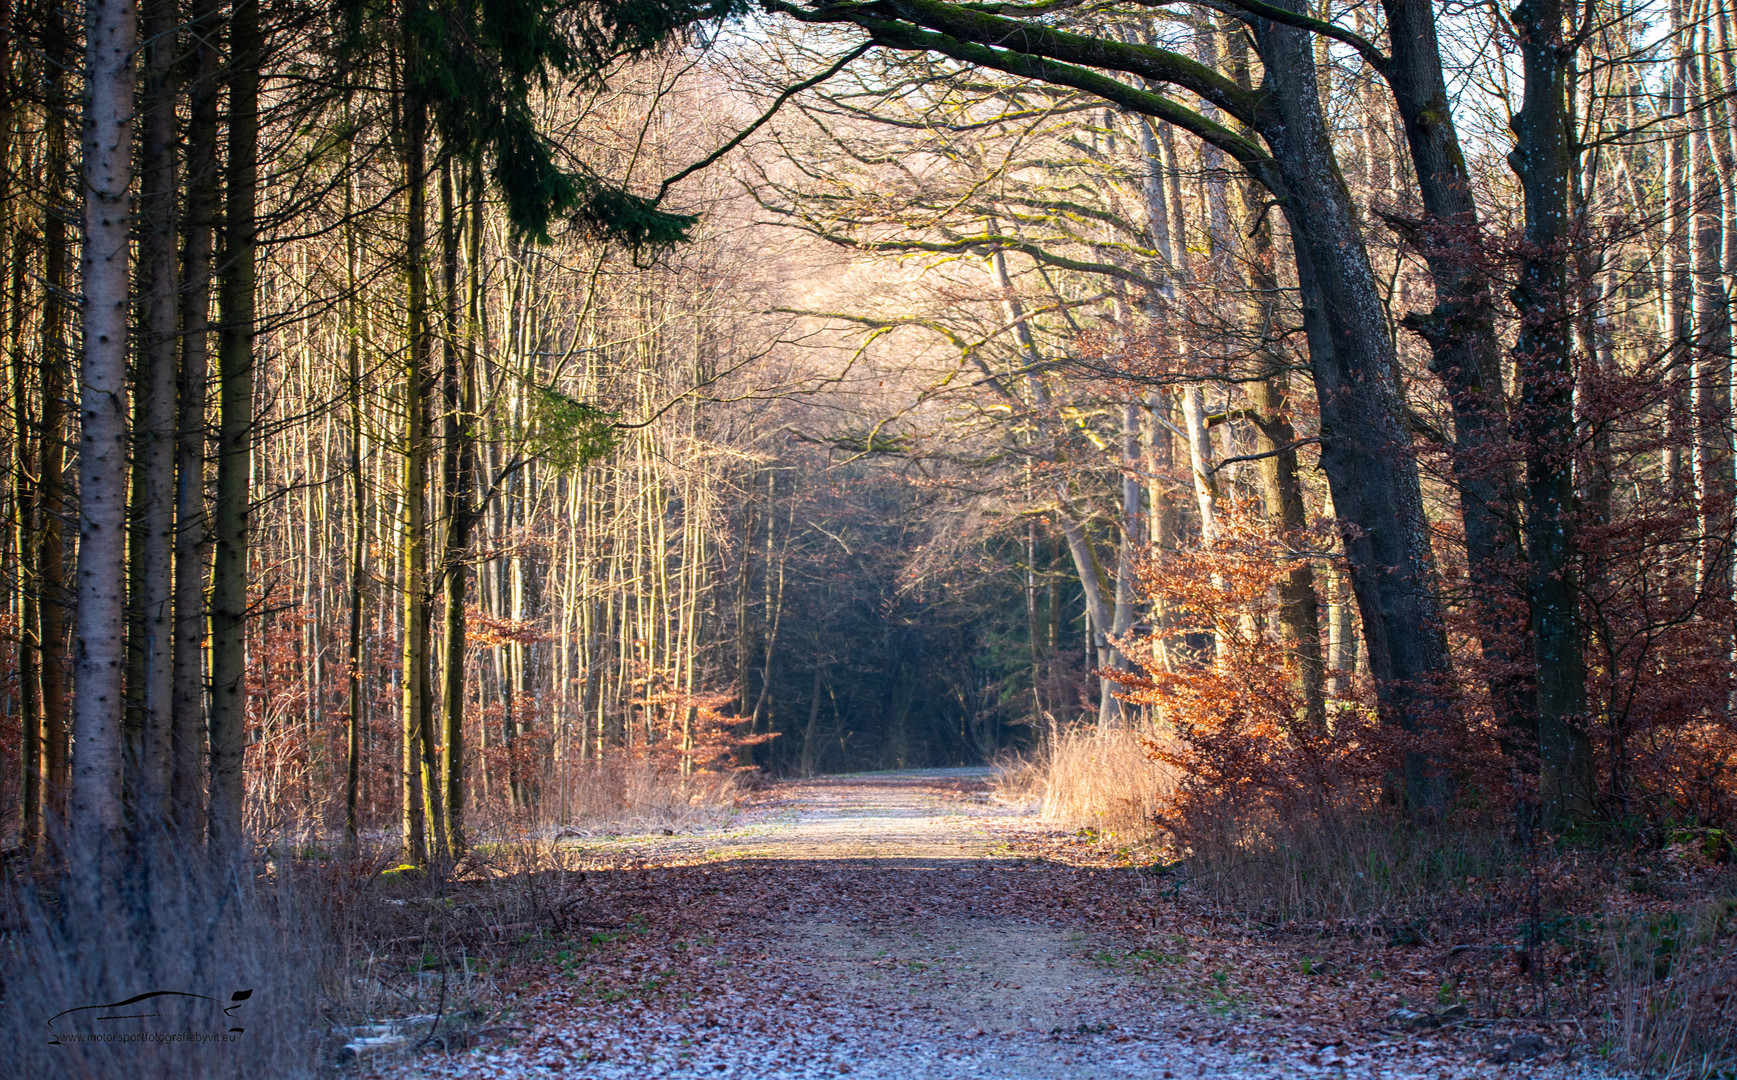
906,925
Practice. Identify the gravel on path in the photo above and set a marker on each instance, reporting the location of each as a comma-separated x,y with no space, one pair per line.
880,926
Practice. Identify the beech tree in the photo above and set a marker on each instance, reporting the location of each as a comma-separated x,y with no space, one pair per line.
1351,348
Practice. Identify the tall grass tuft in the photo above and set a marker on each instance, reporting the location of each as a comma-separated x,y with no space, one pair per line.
1087,778
1673,980
1338,863
233,952
628,792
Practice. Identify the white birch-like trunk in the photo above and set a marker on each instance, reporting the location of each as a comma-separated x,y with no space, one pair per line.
1200,461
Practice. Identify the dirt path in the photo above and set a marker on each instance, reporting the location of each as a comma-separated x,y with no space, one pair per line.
880,926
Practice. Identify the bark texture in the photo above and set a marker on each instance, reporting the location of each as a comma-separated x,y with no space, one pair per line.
1542,158
232,509
155,402
189,739
99,643
1365,441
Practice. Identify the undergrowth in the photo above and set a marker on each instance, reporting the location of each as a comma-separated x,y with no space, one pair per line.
330,947
633,792
1632,935
1104,780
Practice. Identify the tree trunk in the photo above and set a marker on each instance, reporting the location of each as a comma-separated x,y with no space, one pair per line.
1033,632
1465,350
1675,283
232,510
1110,709
457,480
421,777
1342,636
154,435
99,650
1165,515
355,719
25,530
1710,371
26,649
810,731
1542,157
1200,465
1100,617
1299,614
1090,573
189,745
54,380
1365,440
1299,608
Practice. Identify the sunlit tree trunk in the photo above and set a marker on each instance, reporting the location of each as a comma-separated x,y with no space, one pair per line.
1200,460
1675,288
356,652
26,446
458,481
1710,370
418,821
1129,527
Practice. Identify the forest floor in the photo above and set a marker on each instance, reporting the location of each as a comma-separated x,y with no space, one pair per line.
909,925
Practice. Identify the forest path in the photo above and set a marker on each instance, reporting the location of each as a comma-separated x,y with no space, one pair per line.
880,926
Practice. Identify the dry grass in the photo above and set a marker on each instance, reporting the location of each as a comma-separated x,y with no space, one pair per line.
249,940
447,949
633,793
331,945
1351,866
447,946
1323,863
443,948
1084,778
1638,944
1673,982
1317,866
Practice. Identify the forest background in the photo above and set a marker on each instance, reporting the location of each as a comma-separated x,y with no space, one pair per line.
424,415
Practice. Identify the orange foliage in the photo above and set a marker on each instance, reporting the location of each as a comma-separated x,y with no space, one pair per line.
695,729
1221,686
483,630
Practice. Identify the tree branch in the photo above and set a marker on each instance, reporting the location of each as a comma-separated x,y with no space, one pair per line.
777,104
1263,455
898,35
1038,39
1373,56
